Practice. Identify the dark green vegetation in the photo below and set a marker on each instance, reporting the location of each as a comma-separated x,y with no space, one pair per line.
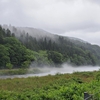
65,49
58,87
60,49
20,51
12,53
18,71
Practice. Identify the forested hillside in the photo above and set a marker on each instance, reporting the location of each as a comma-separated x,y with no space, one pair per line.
19,49
12,52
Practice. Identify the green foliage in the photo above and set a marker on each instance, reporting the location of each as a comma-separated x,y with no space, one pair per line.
29,55
98,77
58,87
44,51
25,64
9,65
56,57
4,56
68,50
12,52
19,71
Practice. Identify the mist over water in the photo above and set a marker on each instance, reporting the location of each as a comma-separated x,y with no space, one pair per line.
45,70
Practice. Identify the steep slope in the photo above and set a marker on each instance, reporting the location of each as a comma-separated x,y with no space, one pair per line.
37,33
12,53
83,44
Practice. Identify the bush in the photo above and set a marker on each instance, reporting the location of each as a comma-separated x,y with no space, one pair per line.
9,65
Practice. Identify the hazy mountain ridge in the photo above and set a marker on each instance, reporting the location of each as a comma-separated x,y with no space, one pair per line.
39,33
73,50
34,32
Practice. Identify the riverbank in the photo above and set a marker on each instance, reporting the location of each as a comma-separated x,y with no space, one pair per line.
13,71
38,71
20,71
51,87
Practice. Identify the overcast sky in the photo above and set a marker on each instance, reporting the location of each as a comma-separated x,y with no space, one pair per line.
75,18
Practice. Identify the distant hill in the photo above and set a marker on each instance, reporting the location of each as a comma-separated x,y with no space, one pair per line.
37,33
70,49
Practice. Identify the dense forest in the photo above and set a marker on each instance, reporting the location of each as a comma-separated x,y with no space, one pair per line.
12,52
19,51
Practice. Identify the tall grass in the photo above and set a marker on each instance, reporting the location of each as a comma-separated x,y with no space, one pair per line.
56,87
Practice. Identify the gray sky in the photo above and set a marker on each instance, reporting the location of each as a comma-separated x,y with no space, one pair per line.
75,18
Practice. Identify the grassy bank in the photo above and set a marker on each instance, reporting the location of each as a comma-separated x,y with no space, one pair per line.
13,71
20,71
57,87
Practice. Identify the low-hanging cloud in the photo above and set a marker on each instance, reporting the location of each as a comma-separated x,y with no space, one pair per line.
88,36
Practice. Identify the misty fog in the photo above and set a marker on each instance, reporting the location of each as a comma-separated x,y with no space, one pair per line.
34,32
47,70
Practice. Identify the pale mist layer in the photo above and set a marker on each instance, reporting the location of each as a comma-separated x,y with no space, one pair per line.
47,70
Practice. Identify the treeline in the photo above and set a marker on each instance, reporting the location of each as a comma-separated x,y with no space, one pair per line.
23,50
62,47
12,53
20,54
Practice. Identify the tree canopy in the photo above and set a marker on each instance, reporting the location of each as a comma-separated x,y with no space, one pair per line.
21,51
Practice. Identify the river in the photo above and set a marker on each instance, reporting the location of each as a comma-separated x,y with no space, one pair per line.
53,70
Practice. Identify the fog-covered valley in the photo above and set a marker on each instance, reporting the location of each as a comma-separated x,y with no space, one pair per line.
49,49
22,46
